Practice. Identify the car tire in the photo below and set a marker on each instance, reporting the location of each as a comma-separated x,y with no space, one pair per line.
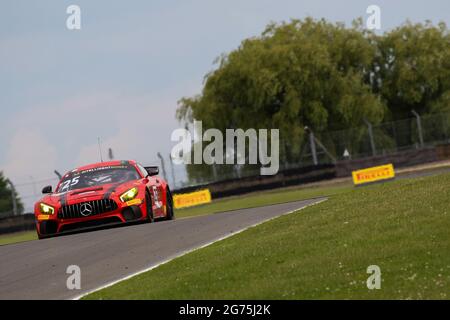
148,205
169,206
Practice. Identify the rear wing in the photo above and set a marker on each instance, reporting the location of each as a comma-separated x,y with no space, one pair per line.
152,170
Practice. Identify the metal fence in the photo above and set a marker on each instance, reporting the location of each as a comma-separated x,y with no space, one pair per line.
330,147
6,214
387,137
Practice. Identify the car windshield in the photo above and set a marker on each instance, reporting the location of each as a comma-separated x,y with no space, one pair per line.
97,177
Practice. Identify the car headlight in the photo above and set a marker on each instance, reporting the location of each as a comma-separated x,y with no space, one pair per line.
129,195
46,209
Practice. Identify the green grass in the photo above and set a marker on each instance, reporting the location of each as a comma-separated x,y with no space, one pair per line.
321,252
17,237
264,198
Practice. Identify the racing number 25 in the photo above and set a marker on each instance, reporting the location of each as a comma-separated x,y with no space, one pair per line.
70,183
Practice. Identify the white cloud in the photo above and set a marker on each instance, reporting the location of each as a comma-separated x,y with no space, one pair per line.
29,156
29,152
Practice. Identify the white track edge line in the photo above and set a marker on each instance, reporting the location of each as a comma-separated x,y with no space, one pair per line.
182,253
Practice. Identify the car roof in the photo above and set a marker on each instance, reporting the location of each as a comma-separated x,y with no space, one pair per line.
97,165
104,164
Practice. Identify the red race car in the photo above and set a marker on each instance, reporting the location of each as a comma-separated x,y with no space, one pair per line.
103,193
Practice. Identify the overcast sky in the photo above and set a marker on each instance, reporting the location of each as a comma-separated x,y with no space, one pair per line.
120,77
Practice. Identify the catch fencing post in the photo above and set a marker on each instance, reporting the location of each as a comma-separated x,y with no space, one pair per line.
214,171
162,165
372,142
58,174
419,127
173,171
312,143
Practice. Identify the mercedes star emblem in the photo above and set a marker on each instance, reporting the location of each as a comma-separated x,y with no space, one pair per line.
85,209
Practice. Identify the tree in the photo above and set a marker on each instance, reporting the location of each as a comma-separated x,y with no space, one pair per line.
6,204
297,74
412,68
327,77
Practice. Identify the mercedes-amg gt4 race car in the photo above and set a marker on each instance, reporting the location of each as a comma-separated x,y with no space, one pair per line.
103,193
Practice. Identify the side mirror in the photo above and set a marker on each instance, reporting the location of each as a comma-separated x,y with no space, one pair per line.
47,189
152,171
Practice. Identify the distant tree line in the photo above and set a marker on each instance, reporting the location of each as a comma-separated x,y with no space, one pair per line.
6,203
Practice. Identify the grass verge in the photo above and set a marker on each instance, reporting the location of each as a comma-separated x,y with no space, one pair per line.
264,198
321,252
17,237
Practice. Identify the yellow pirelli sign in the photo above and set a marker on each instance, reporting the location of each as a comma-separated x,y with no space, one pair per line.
191,199
373,174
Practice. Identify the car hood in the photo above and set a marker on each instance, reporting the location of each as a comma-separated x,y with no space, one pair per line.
86,194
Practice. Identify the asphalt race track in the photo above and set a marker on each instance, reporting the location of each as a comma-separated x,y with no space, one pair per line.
37,269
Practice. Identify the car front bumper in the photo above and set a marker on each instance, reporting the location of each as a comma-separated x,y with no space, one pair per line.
47,225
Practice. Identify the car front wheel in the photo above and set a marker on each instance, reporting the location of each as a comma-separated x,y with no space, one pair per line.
148,204
169,206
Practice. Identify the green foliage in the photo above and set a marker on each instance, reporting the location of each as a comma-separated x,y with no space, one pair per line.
412,69
295,74
5,197
327,77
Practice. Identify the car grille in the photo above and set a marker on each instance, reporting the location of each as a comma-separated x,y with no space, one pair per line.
78,210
